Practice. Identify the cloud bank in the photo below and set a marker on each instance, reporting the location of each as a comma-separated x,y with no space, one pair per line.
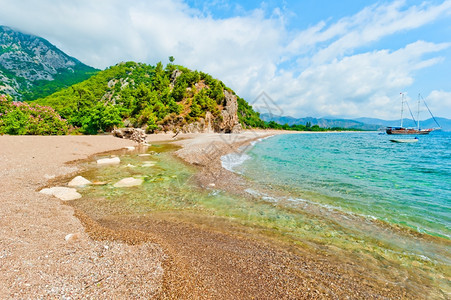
336,68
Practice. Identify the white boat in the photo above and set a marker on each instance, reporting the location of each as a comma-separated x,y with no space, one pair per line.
404,140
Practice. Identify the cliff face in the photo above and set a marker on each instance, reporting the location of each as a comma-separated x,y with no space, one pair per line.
28,62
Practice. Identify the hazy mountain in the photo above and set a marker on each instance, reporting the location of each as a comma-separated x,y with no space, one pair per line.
325,123
445,124
358,123
31,67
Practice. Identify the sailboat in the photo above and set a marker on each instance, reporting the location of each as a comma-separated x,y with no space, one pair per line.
411,130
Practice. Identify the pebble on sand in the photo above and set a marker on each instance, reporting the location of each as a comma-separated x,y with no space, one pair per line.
127,182
108,161
79,181
63,193
71,237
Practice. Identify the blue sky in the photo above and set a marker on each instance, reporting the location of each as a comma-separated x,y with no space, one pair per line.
311,58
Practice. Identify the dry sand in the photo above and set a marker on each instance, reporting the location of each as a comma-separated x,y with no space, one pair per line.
160,257
36,261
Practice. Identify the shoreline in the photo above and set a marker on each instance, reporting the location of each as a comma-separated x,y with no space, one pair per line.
185,257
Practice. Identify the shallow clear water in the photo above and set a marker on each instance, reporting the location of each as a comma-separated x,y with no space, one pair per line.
364,173
354,174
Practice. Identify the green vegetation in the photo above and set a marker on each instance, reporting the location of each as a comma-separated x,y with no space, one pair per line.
64,79
19,118
140,95
306,127
156,98
41,88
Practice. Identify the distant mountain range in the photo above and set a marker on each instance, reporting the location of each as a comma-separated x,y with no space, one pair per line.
359,123
31,67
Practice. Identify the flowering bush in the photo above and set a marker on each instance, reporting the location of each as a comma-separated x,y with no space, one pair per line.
21,118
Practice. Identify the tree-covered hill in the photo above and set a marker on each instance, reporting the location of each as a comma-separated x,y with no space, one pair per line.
31,67
157,98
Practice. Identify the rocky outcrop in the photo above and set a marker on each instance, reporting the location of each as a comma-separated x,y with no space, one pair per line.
227,122
230,122
135,134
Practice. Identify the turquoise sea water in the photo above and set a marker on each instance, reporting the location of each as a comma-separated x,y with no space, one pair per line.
364,173
341,194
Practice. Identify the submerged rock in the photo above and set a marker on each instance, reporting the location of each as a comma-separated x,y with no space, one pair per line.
149,163
109,161
128,182
79,181
63,193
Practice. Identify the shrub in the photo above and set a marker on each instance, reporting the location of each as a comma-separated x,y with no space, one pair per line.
20,118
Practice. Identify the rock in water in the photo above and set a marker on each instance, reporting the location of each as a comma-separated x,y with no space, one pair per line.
63,193
79,181
127,182
149,164
108,161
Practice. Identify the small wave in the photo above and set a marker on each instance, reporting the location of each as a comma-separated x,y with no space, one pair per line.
233,160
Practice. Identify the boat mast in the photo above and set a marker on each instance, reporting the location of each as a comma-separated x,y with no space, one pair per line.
424,101
402,106
418,112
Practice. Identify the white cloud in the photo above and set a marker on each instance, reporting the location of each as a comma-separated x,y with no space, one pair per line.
438,101
326,74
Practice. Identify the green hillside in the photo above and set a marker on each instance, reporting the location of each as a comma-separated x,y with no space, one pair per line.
157,98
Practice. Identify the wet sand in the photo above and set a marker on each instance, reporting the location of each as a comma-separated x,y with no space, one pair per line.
161,255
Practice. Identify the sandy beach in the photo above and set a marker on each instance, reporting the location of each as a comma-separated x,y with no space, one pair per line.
162,256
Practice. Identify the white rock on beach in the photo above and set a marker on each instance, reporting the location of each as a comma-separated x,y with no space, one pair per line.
127,182
130,148
79,181
108,161
144,154
63,193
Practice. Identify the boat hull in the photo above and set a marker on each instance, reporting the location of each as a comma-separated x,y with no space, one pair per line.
411,131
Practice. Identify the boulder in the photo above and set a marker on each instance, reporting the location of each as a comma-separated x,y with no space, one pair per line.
79,181
63,193
109,161
135,134
128,182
